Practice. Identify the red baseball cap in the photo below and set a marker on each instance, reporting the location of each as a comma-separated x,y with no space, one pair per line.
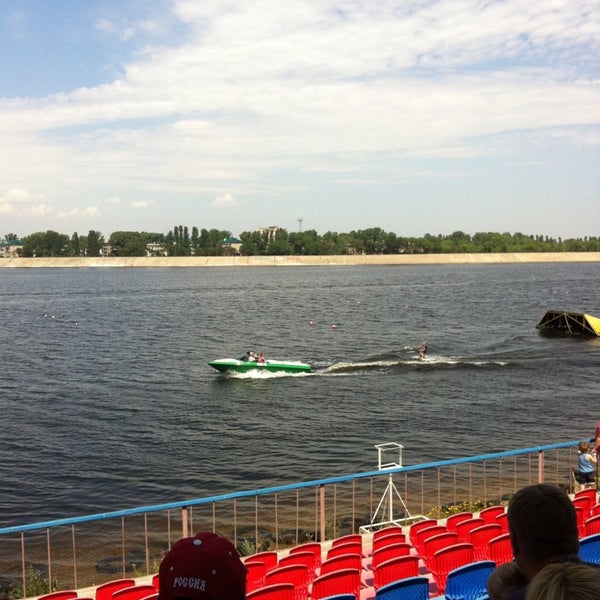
204,567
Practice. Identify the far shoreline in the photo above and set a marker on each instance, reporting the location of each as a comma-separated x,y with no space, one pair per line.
300,261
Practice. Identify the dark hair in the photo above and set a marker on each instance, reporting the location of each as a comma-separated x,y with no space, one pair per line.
543,522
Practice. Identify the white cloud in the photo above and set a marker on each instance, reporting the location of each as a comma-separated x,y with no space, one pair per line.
266,95
89,211
224,201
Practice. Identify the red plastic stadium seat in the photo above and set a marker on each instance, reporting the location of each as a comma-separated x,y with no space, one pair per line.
501,549
387,531
137,592
387,552
106,590
423,534
269,557
347,548
64,595
490,513
256,571
395,569
453,520
592,525
416,527
343,561
385,540
344,539
313,547
297,575
447,559
480,538
465,527
346,581
277,591
434,543
308,559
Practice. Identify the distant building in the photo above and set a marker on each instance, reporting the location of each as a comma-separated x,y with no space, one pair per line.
233,243
156,249
11,248
106,250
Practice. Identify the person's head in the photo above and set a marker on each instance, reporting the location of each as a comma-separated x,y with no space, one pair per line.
543,527
504,581
565,581
583,446
203,567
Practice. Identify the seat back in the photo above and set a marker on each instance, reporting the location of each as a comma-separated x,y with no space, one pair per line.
464,527
394,569
343,561
480,538
344,539
425,533
393,537
347,548
314,547
590,493
345,581
269,557
63,595
585,503
436,542
256,572
453,520
297,575
502,520
137,592
277,591
469,582
500,549
589,549
447,559
387,552
416,527
490,513
387,531
307,559
105,590
592,525
412,588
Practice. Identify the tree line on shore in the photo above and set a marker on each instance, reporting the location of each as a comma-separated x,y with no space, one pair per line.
276,241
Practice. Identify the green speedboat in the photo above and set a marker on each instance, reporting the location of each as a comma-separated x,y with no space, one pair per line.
234,365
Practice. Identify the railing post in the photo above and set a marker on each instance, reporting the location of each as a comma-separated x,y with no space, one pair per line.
322,510
184,521
540,466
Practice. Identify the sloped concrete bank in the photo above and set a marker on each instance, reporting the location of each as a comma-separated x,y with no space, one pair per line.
287,261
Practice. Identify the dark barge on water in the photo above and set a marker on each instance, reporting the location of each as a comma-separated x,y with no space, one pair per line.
562,322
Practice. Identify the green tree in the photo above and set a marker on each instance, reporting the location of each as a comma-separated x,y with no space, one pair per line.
46,244
95,241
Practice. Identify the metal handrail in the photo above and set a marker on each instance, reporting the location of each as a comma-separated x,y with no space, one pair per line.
317,508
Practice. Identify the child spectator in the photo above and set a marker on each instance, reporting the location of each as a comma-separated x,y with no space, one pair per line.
587,462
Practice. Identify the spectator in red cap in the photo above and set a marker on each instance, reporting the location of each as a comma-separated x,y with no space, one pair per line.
204,567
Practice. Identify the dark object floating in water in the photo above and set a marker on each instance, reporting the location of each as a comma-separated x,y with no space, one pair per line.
561,322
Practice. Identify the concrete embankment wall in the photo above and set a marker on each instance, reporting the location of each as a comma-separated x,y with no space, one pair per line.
287,261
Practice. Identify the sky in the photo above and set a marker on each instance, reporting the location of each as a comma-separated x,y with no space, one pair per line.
416,116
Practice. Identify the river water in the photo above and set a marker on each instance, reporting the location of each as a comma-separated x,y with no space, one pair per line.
106,400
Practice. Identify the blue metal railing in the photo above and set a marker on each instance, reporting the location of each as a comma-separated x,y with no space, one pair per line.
290,510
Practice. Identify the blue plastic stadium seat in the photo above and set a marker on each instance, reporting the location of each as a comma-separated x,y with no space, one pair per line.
589,548
411,588
469,582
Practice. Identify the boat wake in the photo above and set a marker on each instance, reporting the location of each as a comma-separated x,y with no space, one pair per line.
429,362
258,374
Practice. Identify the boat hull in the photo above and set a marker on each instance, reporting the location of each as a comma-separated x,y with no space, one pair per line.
232,365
